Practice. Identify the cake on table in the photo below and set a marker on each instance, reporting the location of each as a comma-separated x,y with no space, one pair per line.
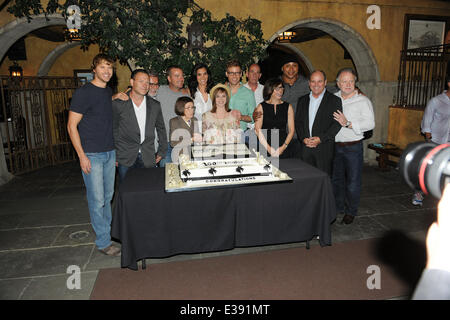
211,166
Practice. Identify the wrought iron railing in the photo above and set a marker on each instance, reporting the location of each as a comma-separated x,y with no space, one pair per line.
422,75
33,121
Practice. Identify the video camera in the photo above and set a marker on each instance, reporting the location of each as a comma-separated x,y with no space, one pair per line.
426,166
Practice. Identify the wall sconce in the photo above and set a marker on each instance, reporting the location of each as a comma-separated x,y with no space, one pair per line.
15,70
286,36
72,34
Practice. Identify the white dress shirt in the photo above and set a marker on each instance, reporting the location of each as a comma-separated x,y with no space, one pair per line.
141,115
359,111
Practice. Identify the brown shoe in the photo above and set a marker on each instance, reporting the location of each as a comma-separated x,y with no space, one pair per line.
111,251
347,219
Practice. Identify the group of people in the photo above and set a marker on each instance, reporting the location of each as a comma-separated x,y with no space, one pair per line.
323,129
148,126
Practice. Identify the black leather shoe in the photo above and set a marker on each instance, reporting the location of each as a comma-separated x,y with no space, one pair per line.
347,219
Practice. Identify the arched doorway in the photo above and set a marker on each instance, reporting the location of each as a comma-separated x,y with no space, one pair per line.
357,50
360,52
16,29
48,62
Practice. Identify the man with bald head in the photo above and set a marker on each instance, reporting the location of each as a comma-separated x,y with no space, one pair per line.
253,75
167,96
314,123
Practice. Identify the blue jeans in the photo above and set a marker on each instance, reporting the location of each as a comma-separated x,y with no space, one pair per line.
346,177
99,190
123,169
168,158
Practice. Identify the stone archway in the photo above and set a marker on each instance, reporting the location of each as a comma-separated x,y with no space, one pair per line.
9,34
366,67
48,62
18,28
361,53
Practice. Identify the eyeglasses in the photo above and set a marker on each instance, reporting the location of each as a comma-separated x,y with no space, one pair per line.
234,73
189,108
279,88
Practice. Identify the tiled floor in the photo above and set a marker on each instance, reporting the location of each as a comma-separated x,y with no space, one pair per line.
45,227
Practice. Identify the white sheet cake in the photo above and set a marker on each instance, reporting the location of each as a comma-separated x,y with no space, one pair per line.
233,165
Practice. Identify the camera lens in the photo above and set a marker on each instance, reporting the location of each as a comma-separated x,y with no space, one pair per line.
425,166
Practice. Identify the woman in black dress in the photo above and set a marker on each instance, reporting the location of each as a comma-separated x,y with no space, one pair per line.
275,127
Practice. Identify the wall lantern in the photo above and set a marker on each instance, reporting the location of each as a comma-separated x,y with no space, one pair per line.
72,34
286,36
15,70
195,36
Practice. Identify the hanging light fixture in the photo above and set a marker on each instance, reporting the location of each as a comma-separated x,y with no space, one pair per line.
286,36
15,70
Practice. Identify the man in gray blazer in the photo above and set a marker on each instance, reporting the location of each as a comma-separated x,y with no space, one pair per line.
134,124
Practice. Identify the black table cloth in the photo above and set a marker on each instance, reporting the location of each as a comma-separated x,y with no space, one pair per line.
150,223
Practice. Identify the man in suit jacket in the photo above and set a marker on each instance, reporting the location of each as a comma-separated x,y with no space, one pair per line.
134,124
315,125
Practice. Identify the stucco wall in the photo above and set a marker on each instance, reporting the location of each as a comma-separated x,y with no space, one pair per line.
385,43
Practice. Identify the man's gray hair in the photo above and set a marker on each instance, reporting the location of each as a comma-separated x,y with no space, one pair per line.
350,70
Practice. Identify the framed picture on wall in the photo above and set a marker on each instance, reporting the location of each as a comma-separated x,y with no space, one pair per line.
424,30
85,75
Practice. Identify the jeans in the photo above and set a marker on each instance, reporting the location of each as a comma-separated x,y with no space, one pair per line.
123,169
346,177
99,190
168,158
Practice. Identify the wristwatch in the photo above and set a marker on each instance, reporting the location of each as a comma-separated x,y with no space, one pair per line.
347,124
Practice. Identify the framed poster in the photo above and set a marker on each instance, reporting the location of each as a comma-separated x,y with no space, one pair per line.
85,75
424,31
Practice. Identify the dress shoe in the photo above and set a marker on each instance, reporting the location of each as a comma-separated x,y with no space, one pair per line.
347,219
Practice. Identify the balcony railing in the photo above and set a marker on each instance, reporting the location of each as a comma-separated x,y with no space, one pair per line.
422,75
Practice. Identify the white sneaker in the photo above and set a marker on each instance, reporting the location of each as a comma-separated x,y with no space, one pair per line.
417,198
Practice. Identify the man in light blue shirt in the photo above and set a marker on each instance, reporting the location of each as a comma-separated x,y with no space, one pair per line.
436,118
436,126
314,104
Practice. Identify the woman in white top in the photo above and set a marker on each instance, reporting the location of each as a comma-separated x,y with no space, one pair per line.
200,84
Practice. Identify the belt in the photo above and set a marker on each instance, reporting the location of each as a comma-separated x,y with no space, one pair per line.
349,143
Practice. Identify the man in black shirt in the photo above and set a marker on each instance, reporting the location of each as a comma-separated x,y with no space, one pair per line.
91,132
